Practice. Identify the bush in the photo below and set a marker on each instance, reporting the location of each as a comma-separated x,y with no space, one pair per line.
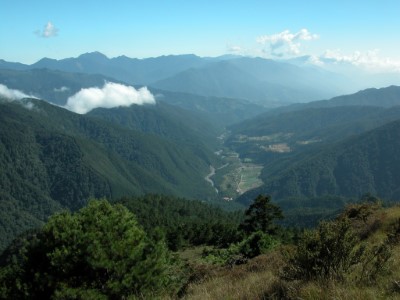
328,252
256,244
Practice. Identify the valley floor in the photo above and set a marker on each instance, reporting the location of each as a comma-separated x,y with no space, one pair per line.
235,176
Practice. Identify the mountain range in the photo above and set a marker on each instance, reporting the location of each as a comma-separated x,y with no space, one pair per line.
266,82
305,126
321,152
58,86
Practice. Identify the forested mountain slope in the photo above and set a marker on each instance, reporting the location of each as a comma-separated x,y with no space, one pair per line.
51,158
167,121
360,164
382,97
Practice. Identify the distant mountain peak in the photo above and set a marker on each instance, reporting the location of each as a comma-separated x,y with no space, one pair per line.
93,56
46,60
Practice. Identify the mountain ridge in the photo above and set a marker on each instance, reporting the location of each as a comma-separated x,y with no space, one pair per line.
154,71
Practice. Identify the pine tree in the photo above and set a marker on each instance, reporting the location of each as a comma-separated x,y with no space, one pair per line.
260,216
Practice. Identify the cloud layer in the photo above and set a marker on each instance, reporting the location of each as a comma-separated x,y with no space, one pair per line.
285,42
48,31
369,60
110,95
11,94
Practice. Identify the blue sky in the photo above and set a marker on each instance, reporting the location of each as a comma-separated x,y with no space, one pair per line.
352,29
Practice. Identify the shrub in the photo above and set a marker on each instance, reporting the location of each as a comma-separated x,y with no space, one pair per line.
328,252
256,244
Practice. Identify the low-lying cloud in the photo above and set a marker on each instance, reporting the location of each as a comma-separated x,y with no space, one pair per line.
369,60
110,95
61,89
11,94
16,95
285,42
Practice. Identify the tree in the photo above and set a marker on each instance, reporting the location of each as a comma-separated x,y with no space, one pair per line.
260,216
98,252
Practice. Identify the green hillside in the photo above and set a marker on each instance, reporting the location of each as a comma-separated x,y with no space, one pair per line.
266,139
162,119
358,165
221,111
51,159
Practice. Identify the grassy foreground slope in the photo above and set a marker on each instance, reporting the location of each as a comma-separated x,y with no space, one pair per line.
374,276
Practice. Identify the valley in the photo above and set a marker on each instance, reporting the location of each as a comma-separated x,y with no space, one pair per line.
235,177
183,150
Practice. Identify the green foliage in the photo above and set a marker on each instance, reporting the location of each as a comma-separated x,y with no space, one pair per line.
337,248
259,234
377,258
98,252
238,253
257,243
328,252
185,222
52,159
260,216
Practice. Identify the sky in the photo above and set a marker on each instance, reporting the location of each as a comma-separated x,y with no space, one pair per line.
359,31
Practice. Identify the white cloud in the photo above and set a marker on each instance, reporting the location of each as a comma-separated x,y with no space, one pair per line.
61,89
48,31
11,94
110,95
315,60
369,60
285,42
15,95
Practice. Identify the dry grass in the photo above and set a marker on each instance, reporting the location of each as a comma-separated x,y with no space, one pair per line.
254,280
260,277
